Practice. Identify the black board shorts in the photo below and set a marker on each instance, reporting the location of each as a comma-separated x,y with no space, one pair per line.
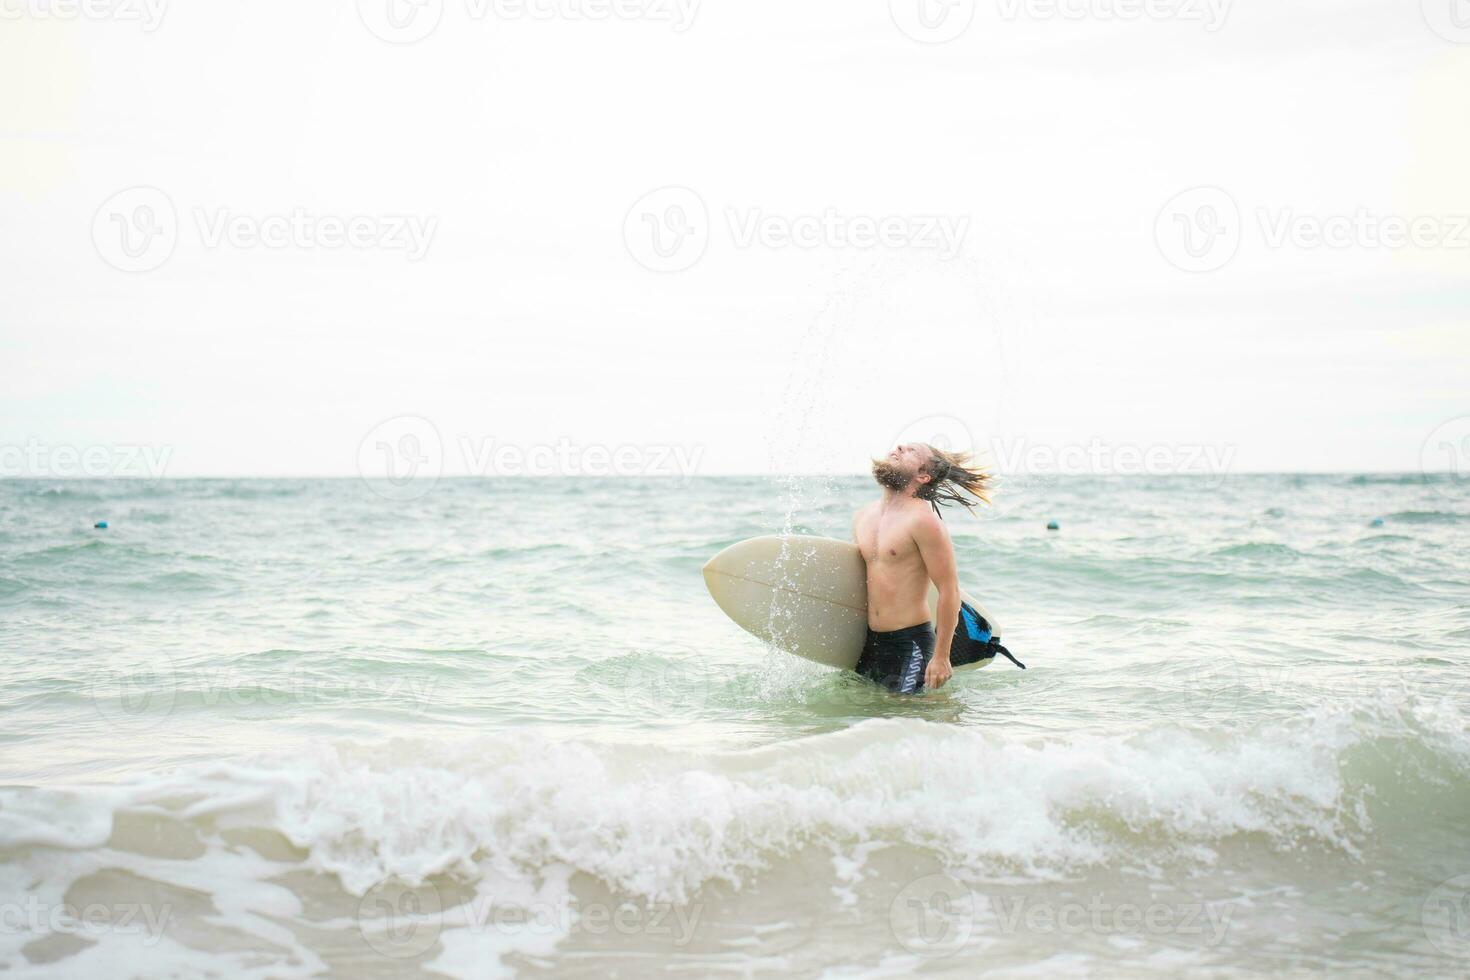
896,659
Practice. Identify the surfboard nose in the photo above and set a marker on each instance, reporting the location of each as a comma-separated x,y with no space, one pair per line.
708,571
803,593
734,557
723,579
723,563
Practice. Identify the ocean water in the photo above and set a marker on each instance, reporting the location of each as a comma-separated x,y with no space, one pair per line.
290,728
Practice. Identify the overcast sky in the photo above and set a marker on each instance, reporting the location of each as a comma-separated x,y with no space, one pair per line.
272,238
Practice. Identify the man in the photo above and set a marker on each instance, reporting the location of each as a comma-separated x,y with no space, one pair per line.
907,546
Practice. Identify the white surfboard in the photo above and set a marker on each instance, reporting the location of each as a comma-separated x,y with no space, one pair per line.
806,595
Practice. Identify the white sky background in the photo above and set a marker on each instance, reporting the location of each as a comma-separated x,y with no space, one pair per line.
1061,321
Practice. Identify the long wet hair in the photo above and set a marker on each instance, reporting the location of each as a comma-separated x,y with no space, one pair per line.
954,478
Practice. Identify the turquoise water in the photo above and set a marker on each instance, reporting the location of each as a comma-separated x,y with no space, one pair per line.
293,728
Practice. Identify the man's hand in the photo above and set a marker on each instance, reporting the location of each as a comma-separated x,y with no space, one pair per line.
937,673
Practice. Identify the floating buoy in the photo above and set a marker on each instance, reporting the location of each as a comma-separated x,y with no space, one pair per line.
1376,522
100,525
1053,526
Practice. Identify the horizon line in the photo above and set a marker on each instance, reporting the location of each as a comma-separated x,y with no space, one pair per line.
692,476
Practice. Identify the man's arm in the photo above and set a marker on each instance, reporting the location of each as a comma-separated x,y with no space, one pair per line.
938,553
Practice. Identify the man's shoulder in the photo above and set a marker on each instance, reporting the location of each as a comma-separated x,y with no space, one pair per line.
924,521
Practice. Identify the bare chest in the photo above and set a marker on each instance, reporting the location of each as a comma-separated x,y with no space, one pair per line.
885,542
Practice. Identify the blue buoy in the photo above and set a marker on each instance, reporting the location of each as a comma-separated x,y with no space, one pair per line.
100,525
1376,522
1053,526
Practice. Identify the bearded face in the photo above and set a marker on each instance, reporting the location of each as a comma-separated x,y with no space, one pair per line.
898,469
890,475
